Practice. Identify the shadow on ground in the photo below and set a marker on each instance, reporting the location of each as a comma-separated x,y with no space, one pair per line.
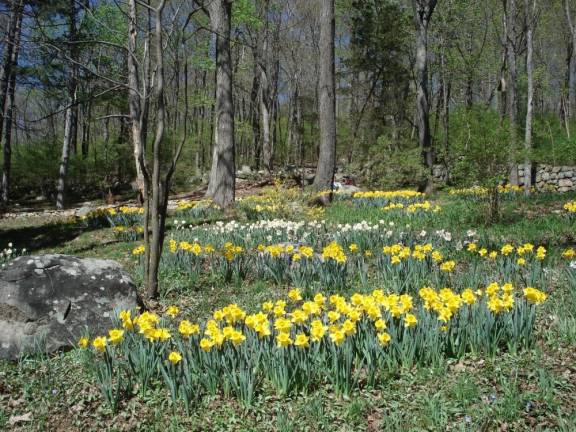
38,237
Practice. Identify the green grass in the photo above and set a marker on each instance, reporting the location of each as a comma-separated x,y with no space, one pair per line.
529,390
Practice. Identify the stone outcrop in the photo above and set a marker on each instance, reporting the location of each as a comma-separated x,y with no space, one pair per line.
49,301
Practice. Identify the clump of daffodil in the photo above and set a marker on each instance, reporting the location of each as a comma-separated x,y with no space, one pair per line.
334,252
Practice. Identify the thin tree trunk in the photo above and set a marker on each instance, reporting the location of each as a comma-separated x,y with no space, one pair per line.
222,184
254,111
9,119
572,63
159,190
7,104
446,126
70,122
86,113
325,170
423,10
511,103
447,87
63,169
529,14
8,61
136,116
469,74
265,99
137,111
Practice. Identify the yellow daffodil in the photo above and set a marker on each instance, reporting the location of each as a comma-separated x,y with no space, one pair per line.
174,357
283,340
187,329
534,295
294,294
301,341
384,338
410,320
83,342
99,344
115,336
172,311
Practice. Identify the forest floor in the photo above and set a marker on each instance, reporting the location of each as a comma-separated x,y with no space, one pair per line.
532,389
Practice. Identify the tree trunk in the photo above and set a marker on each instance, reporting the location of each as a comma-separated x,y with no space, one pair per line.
265,99
446,127
86,113
529,14
70,122
8,63
511,102
423,10
325,170
63,170
8,88
295,129
254,111
137,112
221,187
155,203
266,117
572,63
136,117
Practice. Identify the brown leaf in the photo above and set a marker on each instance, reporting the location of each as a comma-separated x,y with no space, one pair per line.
16,402
13,420
459,367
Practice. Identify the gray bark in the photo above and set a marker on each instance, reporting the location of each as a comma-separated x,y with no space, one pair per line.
138,113
295,131
423,10
155,202
221,187
511,77
63,169
529,14
70,128
7,63
572,64
7,93
265,94
136,117
254,111
326,99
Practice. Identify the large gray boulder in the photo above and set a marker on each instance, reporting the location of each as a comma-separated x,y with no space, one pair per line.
52,300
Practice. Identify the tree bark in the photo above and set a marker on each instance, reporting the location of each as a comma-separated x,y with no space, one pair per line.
530,17
423,10
86,114
155,202
70,122
295,129
7,93
254,111
64,158
511,77
137,111
135,101
325,170
221,187
7,63
265,94
572,63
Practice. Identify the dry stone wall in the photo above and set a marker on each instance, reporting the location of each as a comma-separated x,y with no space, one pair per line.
547,177
553,178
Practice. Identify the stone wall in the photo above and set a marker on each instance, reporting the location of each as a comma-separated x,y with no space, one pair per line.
552,178
544,177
